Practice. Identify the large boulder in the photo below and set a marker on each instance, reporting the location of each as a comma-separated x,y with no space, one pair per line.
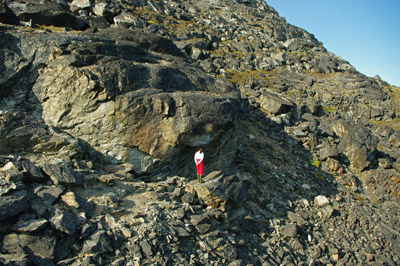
131,104
104,10
220,190
290,79
275,104
77,5
48,13
357,143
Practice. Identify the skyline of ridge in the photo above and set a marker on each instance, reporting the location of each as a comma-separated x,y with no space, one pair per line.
362,32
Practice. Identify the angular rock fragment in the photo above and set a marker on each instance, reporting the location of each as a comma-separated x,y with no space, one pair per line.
188,198
295,218
182,232
14,259
321,201
32,173
87,230
97,243
41,246
64,221
13,204
274,104
80,5
201,222
326,212
62,174
71,199
218,189
77,203
290,230
48,194
146,248
31,226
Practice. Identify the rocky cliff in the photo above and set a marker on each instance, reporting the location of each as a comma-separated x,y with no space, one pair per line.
104,103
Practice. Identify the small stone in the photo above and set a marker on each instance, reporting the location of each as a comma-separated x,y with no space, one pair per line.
198,219
321,201
338,198
315,252
146,248
238,262
203,246
87,230
188,198
335,257
63,174
290,230
41,246
80,4
296,245
324,260
182,232
8,166
180,213
70,199
13,204
295,218
326,212
370,257
108,179
203,228
177,192
304,203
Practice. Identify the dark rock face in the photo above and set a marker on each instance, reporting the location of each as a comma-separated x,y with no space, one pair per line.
103,105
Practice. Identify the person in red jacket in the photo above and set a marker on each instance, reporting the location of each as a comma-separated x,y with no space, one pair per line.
199,160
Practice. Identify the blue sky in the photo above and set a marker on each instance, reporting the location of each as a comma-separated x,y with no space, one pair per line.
366,33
